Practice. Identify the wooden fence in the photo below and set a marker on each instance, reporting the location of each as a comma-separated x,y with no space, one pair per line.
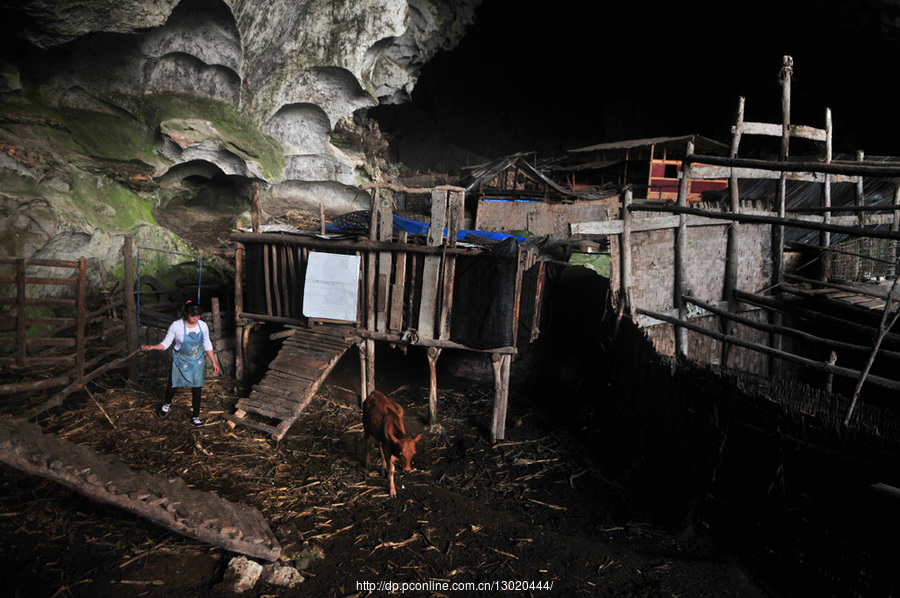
30,341
725,307
65,335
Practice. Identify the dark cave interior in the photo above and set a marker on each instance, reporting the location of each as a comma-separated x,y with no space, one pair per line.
531,77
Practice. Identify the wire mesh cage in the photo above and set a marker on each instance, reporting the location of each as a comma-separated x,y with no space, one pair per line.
861,259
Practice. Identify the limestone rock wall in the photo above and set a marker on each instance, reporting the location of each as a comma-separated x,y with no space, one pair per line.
203,93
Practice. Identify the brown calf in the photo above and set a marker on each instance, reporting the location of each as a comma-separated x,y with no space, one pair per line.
383,420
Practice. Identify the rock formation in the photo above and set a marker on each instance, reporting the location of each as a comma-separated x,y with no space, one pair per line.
113,112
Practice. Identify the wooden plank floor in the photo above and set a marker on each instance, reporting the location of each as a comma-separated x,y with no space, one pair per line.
293,378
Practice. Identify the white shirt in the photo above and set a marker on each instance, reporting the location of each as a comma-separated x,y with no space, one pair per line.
176,333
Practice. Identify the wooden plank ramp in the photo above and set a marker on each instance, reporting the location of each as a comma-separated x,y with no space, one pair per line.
293,378
166,501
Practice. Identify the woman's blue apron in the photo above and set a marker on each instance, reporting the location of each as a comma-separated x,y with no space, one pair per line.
188,364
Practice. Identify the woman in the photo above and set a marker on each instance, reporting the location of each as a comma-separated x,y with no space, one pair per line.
191,337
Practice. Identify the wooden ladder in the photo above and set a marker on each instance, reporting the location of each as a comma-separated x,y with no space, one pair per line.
293,378
166,501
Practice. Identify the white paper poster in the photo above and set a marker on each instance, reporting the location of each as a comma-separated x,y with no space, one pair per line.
332,286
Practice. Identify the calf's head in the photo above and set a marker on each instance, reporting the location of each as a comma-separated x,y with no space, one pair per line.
405,450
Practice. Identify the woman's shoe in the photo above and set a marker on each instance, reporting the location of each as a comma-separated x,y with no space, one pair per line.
197,421
164,410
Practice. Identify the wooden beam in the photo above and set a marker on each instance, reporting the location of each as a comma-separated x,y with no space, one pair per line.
729,172
614,227
17,387
421,342
843,287
766,219
57,399
785,331
816,365
776,130
337,245
809,315
834,168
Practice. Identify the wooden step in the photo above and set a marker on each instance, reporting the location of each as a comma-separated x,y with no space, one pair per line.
272,430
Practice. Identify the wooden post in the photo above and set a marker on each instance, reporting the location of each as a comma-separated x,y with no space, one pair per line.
254,207
368,346
434,354
829,378
860,191
370,263
80,316
732,261
267,284
432,268
731,252
364,389
370,364
293,292
680,284
625,259
216,319
238,313
21,337
449,274
501,365
895,225
825,236
276,282
131,322
778,229
395,321
385,258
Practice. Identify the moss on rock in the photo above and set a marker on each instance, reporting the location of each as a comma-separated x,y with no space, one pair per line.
239,134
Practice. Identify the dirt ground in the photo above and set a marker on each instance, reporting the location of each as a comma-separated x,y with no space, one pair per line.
534,509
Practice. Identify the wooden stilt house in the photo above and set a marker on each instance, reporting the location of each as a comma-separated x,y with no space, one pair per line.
382,279
512,194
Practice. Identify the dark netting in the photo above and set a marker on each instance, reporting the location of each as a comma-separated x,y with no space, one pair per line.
484,298
254,279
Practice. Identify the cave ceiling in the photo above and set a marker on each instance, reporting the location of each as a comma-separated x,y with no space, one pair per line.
312,98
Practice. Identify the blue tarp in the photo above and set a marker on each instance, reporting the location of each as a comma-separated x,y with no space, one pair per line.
415,227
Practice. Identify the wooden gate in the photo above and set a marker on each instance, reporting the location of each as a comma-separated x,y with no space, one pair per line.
23,333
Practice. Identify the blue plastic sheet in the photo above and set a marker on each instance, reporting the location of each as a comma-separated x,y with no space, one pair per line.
415,227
